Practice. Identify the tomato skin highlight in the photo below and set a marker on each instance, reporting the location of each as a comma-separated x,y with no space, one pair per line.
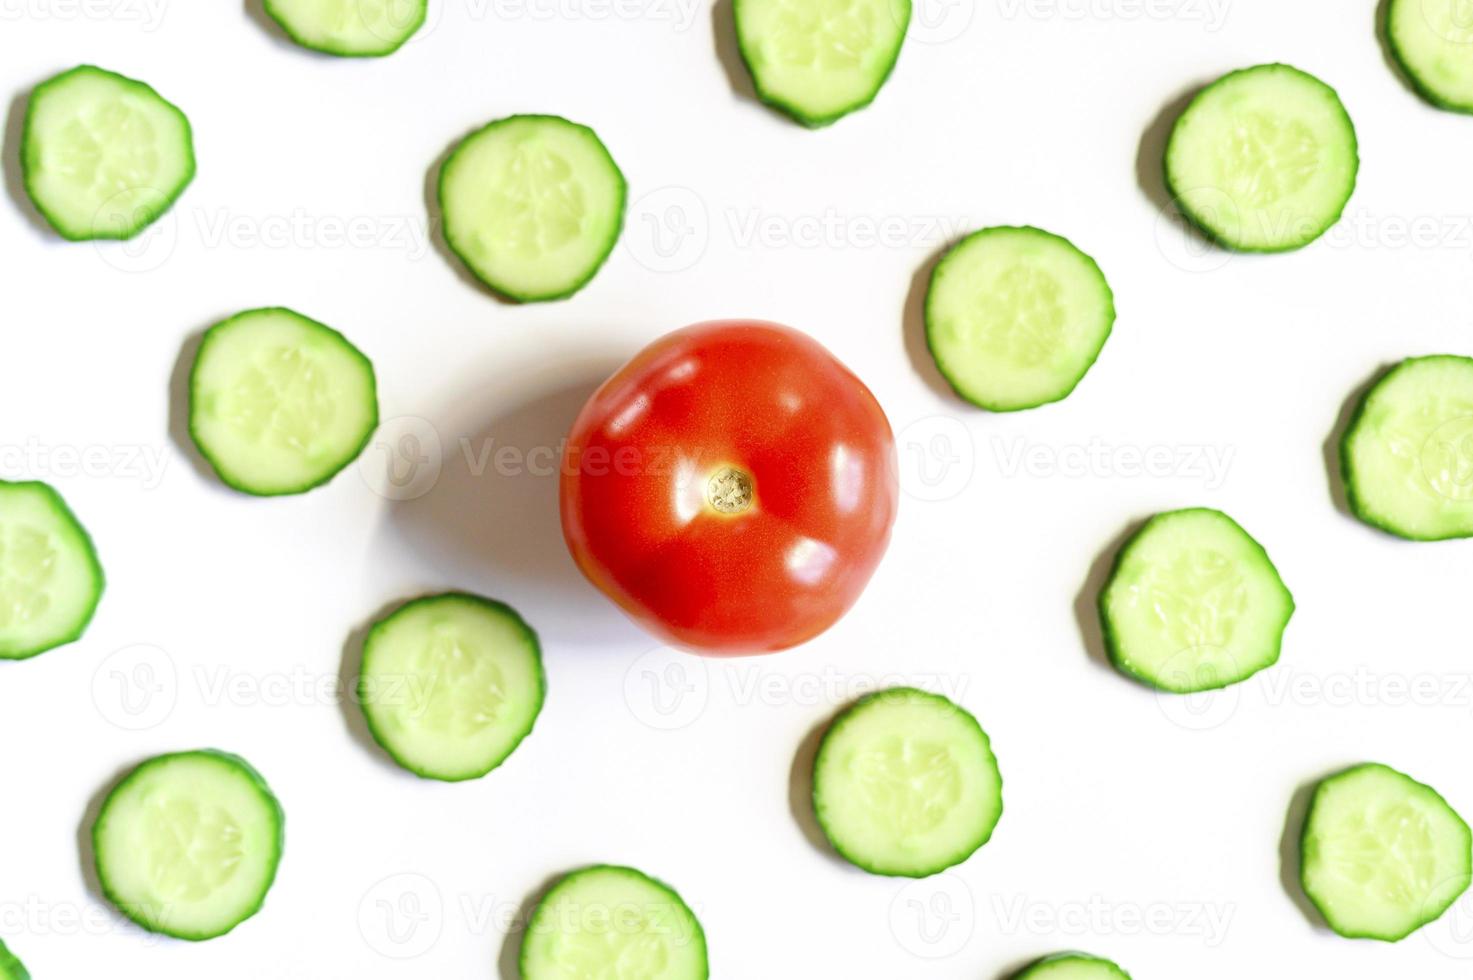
732,488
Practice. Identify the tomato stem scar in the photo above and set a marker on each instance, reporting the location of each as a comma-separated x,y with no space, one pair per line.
730,491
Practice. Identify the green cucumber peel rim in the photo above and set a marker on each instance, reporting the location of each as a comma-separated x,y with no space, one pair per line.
188,844
1072,966
1406,458
1264,159
1193,604
279,403
532,206
905,784
137,146
349,28
608,920
1381,854
451,684
815,67
49,570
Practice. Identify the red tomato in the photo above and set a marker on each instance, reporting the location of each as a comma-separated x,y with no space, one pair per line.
732,488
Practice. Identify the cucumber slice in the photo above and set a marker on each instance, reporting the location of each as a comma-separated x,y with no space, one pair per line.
1015,317
819,60
532,205
187,844
905,784
10,967
103,156
1073,966
1432,41
451,684
279,403
1408,453
349,28
50,579
1383,855
1263,160
613,922
1194,604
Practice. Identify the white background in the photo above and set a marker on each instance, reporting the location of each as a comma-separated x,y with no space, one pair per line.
1146,830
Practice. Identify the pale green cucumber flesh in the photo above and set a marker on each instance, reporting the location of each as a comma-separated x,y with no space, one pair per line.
1264,159
1194,604
103,156
1407,455
11,968
533,205
50,578
1382,854
279,403
1073,966
188,844
1015,317
451,684
349,28
609,923
1432,41
819,60
905,784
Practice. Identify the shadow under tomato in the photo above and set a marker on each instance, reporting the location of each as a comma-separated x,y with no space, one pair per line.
491,523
